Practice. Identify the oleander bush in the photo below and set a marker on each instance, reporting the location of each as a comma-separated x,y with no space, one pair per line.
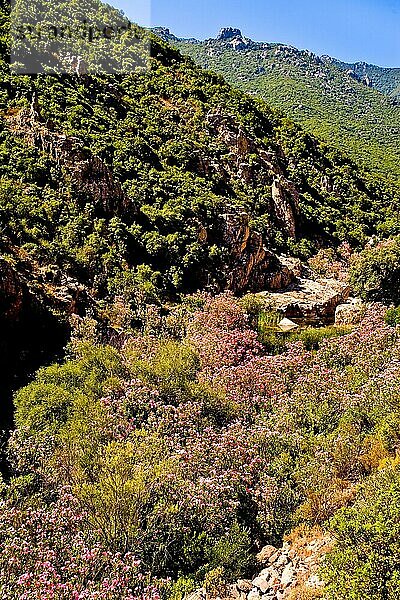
191,453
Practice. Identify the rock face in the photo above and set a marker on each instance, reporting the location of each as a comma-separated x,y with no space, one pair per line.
89,176
309,301
248,161
251,267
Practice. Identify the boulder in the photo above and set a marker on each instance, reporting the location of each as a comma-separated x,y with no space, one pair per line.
265,553
350,313
309,301
288,576
244,585
261,583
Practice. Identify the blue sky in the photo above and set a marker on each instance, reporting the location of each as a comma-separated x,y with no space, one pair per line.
347,29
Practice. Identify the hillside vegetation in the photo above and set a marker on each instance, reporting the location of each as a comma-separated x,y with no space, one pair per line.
330,99
167,436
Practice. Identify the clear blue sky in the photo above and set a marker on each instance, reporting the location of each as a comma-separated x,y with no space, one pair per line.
347,29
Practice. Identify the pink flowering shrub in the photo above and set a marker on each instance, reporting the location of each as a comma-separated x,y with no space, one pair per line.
46,556
173,448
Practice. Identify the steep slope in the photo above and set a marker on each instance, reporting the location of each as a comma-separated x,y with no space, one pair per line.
331,100
385,80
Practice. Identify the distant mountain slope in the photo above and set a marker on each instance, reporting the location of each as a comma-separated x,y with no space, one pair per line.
385,80
330,99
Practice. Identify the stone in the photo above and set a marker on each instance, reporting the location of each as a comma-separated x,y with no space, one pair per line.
261,583
287,325
254,595
274,577
249,260
235,594
288,576
282,561
350,313
309,301
286,204
228,33
274,557
265,553
244,585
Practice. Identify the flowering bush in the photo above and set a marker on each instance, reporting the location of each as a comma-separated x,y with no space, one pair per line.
46,556
173,448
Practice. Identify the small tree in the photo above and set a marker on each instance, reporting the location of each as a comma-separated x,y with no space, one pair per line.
375,272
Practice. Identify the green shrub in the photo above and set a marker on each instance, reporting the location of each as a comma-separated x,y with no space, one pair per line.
375,272
392,316
364,563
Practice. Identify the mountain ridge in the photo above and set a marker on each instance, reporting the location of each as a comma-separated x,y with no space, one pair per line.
391,75
336,103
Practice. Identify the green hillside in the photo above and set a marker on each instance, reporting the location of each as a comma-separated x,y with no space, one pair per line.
164,435
318,93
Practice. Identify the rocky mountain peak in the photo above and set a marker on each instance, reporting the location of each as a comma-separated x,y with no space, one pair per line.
228,33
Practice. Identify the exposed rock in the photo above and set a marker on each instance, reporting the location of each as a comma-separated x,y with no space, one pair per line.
350,313
227,33
251,267
254,595
294,570
244,585
286,204
261,583
287,577
90,177
249,260
265,553
309,301
268,169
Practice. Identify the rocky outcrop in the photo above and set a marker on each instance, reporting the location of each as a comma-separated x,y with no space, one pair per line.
250,265
288,573
249,161
286,203
228,33
309,301
90,178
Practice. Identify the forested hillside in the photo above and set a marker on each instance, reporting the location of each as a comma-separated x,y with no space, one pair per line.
339,103
165,432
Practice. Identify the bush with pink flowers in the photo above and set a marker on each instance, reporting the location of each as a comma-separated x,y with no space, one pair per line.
177,450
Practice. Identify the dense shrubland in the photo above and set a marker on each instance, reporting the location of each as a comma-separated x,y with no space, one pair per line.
151,130
173,441
190,447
